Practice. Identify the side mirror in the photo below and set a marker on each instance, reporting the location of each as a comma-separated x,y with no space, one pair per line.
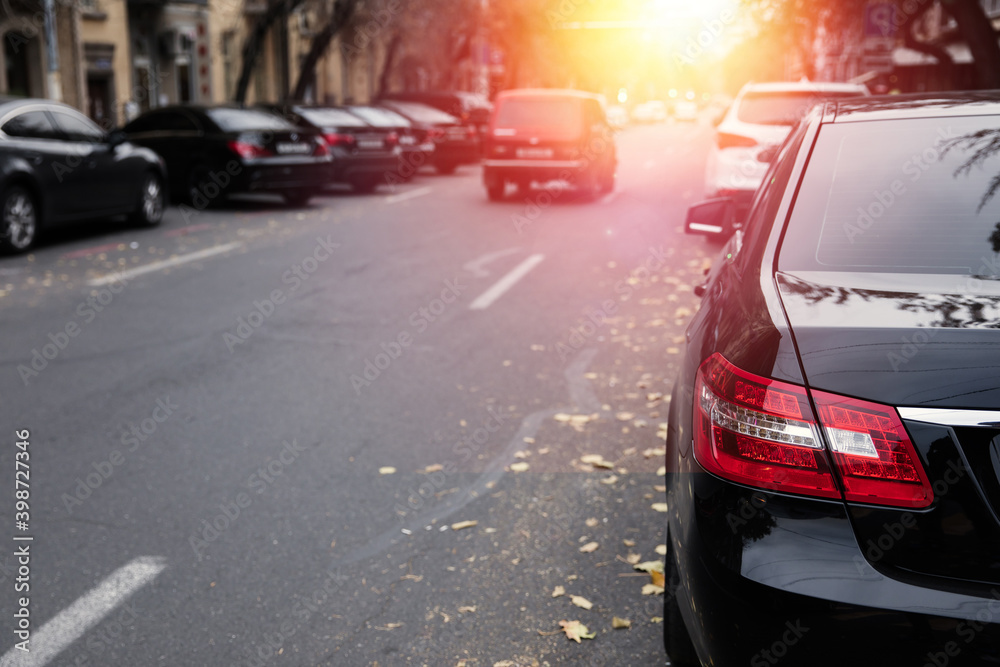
116,138
714,218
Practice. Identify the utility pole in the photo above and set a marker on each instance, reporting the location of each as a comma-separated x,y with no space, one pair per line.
52,52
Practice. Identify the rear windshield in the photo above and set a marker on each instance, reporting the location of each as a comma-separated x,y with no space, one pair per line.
379,117
902,196
241,120
781,108
330,117
552,112
420,112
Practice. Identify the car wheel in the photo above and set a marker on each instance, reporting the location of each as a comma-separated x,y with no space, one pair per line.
19,217
676,639
297,198
149,211
495,191
445,167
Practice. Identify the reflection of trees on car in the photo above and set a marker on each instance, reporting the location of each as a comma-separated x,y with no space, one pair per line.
984,144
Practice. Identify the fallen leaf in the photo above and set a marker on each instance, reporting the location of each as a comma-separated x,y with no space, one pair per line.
597,461
580,601
656,619
660,488
529,440
576,630
632,558
589,547
558,591
464,524
591,522
435,467
654,395
650,453
610,479
624,416
467,610
657,579
652,589
387,470
520,466
649,566
661,549
620,623
521,454
629,543
661,471
659,507
562,417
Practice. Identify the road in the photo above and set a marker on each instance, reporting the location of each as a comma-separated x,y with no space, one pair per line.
254,431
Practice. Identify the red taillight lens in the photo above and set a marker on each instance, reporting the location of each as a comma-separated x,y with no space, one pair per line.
334,139
726,140
391,140
758,432
320,150
873,453
763,433
248,150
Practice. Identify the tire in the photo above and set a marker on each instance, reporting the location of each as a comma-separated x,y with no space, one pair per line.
297,198
495,191
149,210
676,639
445,168
18,219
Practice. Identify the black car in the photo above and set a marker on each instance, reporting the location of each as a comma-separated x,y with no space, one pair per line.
454,143
215,151
363,155
470,108
833,449
415,149
58,168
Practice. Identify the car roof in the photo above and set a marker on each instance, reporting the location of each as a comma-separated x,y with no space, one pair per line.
802,87
917,105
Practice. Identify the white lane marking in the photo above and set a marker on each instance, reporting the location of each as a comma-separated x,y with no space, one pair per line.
475,267
129,274
484,300
72,622
412,194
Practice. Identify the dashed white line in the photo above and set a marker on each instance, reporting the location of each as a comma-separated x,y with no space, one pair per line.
412,194
486,299
475,267
72,622
128,274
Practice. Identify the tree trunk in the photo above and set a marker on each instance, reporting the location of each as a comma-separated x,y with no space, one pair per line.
978,33
251,47
342,12
390,56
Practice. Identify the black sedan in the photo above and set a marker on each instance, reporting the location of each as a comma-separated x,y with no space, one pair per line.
833,449
415,149
58,168
454,143
364,156
215,151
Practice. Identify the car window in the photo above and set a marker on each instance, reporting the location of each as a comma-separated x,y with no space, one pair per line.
31,125
78,128
420,112
330,117
240,120
548,112
899,196
379,117
781,108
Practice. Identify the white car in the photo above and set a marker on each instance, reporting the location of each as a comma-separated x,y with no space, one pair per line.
617,116
653,111
759,119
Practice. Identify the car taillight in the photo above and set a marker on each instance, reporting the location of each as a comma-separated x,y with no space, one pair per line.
872,452
391,140
336,139
763,433
248,150
727,140
320,149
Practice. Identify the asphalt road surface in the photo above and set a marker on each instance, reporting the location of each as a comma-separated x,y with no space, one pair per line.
255,432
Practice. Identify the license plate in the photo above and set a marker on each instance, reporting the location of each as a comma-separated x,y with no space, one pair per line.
370,143
287,148
407,140
534,152
457,133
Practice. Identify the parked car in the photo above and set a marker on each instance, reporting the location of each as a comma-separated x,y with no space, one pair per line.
470,108
363,155
58,168
833,442
216,151
617,116
415,148
547,134
653,111
756,122
686,110
454,143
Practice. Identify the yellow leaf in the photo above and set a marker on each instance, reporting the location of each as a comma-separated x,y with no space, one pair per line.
632,558
467,610
620,623
656,619
433,468
652,589
520,466
625,416
656,578
580,601
610,479
387,470
661,549
650,566
629,543
464,524
576,630
661,471
592,522
659,507
589,547
558,591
